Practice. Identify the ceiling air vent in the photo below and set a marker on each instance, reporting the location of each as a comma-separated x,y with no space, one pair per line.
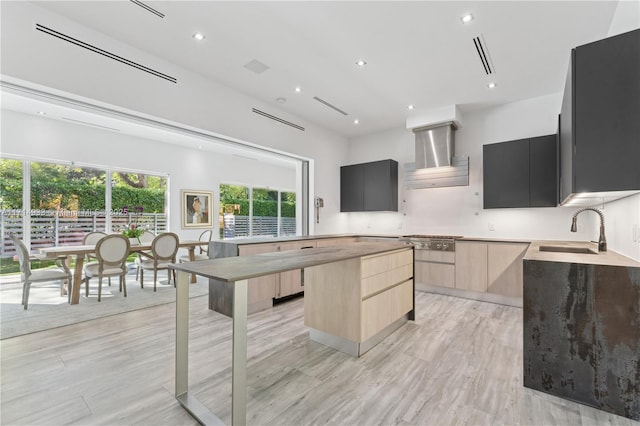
278,119
333,107
103,52
483,53
148,8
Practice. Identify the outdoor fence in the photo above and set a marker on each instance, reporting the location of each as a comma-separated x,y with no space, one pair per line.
49,229
238,226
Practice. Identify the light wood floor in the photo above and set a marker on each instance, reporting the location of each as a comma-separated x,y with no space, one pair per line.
459,363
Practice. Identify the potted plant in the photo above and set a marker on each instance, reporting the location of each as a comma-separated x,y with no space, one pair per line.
133,232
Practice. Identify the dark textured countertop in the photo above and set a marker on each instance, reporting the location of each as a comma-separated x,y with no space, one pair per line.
237,268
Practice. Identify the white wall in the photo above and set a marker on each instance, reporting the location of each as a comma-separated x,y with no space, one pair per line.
29,56
458,210
48,139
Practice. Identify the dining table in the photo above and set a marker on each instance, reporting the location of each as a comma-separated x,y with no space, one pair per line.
80,252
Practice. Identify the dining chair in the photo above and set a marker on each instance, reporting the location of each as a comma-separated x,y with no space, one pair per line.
112,252
28,276
92,238
163,253
146,237
203,250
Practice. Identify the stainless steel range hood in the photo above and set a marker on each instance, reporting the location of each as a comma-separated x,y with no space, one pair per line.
434,145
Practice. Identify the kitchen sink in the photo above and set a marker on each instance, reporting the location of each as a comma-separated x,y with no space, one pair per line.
564,249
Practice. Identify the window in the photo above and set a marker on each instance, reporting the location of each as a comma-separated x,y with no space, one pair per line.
287,213
138,198
65,202
264,212
247,212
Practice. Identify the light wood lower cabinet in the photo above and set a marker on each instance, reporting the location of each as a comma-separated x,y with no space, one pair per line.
492,267
505,268
292,282
261,289
356,299
471,265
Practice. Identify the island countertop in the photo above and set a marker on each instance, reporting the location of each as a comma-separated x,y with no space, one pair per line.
610,258
230,269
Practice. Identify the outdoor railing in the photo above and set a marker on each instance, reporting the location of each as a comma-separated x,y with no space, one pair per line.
49,229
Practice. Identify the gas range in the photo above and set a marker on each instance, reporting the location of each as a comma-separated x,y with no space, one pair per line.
431,242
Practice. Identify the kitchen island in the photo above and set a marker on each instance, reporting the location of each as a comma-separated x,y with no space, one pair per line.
367,287
267,289
582,325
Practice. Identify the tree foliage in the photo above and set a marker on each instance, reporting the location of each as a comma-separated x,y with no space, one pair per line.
55,186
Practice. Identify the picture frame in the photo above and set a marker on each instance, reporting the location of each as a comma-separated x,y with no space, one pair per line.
196,208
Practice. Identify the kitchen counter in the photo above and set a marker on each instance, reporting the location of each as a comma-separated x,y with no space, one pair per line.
580,326
609,257
263,240
494,240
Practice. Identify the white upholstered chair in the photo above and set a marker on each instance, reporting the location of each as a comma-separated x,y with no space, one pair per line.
39,275
112,252
163,253
203,251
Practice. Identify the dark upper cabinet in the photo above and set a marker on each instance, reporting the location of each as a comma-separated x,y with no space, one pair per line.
369,187
351,188
506,174
521,173
600,117
543,171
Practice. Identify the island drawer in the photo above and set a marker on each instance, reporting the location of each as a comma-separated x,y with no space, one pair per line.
386,279
383,309
379,263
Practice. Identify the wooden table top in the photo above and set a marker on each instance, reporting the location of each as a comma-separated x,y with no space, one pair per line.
55,252
230,269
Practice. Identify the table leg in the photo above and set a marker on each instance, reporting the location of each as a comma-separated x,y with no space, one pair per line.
192,257
190,403
77,280
239,357
182,333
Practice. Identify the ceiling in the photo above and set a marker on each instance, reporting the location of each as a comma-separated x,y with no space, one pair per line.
417,52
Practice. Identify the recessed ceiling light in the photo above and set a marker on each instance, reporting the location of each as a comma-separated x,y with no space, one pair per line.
356,121
411,107
281,100
199,36
42,113
199,146
298,89
492,85
466,18
361,63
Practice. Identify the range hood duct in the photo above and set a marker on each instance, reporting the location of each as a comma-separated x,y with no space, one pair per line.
434,145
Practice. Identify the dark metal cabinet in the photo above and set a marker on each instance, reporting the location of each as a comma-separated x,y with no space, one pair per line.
506,174
543,171
600,125
521,173
369,187
351,188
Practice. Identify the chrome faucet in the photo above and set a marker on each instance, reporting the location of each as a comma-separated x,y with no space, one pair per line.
602,241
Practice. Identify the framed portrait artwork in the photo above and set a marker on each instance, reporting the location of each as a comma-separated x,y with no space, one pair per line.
196,207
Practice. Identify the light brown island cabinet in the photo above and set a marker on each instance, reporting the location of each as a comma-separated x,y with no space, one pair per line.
292,282
262,289
491,267
353,304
